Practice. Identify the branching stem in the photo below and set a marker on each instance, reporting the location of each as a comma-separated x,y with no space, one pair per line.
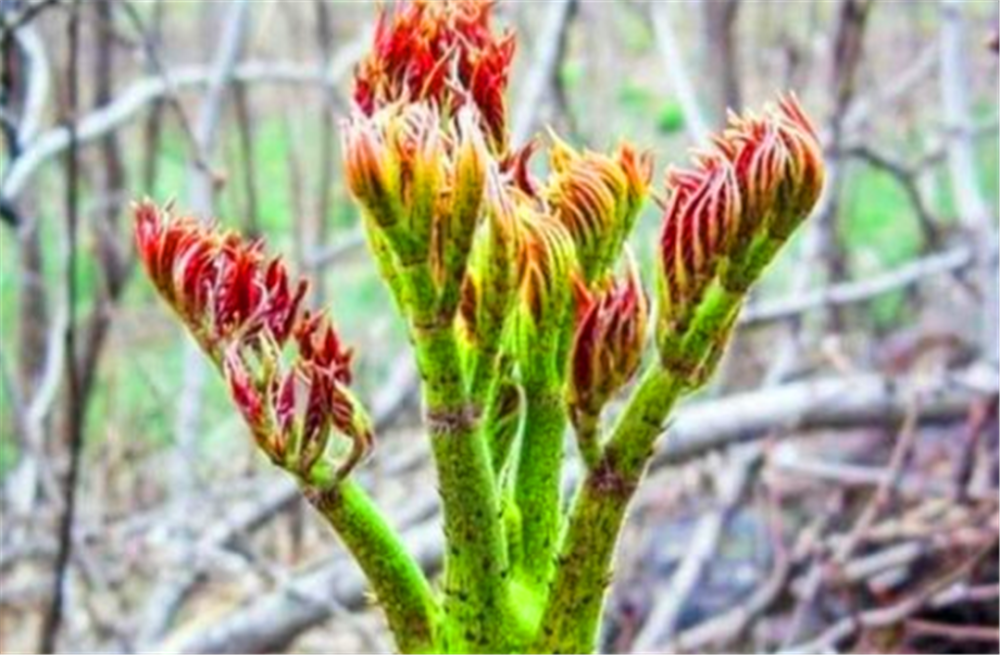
476,569
572,613
399,584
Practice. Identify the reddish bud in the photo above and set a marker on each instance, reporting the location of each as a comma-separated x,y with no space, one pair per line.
372,168
546,265
421,182
597,198
244,309
223,288
490,283
702,219
455,227
779,165
295,409
759,182
441,52
516,166
547,274
607,346
246,395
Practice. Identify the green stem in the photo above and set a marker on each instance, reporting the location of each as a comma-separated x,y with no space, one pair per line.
476,602
538,477
396,578
588,438
501,423
484,370
572,613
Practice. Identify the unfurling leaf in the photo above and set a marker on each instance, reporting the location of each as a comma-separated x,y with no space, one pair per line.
444,53
597,198
725,219
244,310
607,346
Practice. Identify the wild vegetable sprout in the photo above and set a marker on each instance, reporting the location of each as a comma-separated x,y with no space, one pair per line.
526,314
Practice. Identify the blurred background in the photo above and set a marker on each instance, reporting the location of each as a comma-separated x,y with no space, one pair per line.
834,488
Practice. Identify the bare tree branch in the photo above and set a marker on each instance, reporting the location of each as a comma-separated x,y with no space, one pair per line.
938,593
847,293
201,202
137,97
345,246
677,71
13,20
721,55
975,215
52,619
731,483
549,53
864,399
724,627
907,178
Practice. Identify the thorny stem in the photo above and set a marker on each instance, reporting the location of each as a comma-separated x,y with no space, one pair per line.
537,488
572,614
399,584
475,589
588,439
484,371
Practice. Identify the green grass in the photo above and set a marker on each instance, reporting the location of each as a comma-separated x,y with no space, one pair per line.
988,154
879,230
643,104
571,73
634,31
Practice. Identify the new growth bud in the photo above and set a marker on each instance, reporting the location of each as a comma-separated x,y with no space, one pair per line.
700,226
606,352
548,277
455,228
421,181
394,166
243,309
488,291
223,288
597,198
725,219
371,169
607,347
444,53
294,410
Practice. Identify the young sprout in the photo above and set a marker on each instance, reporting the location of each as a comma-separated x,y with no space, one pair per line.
520,328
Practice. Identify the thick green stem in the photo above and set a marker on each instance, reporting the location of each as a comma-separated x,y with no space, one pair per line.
397,580
476,594
538,477
572,613
588,438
